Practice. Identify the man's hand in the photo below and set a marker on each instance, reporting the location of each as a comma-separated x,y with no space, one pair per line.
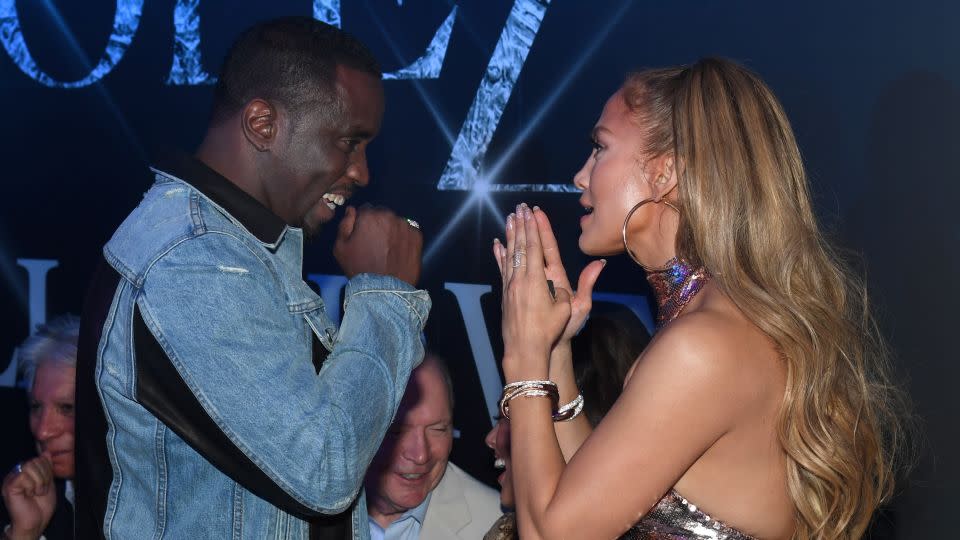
30,498
377,241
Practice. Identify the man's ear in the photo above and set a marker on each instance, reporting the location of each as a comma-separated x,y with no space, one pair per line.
664,175
260,122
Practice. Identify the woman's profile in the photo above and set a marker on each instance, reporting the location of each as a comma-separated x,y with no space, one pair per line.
762,407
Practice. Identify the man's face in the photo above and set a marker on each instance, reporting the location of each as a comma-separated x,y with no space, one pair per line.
413,456
52,417
320,158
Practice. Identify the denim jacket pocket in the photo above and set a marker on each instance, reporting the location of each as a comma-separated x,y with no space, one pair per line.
311,306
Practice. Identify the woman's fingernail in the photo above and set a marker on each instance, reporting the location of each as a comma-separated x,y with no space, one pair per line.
510,221
535,208
527,214
603,262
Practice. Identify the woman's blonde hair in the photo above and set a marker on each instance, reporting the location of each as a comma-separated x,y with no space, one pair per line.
747,217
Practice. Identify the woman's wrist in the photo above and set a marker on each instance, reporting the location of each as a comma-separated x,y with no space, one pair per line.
529,389
561,354
521,374
525,366
561,371
561,360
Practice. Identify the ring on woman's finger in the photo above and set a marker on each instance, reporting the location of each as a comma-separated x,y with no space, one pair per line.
517,258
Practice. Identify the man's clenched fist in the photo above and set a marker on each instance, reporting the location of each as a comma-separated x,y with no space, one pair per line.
375,240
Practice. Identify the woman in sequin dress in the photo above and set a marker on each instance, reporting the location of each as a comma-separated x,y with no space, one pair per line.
762,408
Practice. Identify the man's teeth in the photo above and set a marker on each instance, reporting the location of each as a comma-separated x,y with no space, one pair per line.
499,463
411,476
334,200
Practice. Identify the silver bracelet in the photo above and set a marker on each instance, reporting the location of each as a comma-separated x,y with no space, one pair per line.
529,389
570,410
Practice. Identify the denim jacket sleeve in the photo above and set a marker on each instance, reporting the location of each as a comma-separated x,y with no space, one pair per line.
217,307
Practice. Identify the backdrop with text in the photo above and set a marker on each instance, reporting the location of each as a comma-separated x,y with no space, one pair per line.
489,103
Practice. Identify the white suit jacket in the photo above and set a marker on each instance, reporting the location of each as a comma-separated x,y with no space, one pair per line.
461,508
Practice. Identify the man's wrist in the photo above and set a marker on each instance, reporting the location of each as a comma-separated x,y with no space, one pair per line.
10,534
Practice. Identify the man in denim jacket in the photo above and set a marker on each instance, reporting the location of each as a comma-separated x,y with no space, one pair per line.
207,404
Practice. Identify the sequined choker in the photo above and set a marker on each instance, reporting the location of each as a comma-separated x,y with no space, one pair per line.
675,286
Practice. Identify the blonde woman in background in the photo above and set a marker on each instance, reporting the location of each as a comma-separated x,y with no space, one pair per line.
762,408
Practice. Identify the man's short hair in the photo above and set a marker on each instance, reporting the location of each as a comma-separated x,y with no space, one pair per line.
290,60
441,364
55,342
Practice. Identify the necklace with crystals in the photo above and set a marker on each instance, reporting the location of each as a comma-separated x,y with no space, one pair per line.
674,286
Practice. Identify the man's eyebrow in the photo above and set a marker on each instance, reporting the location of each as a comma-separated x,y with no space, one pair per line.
359,132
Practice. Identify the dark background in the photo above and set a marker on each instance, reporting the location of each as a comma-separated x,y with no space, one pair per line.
871,89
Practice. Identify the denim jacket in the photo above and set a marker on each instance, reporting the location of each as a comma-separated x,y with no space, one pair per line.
273,443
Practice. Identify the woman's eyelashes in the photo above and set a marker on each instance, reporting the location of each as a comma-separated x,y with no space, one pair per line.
596,145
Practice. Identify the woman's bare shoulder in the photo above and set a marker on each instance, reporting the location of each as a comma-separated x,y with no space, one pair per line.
722,347
700,334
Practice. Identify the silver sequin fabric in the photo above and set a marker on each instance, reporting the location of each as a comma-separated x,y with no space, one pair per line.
675,518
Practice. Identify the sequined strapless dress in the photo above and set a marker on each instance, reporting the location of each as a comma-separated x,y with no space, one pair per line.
675,518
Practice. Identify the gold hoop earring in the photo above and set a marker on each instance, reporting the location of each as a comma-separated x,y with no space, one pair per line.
626,221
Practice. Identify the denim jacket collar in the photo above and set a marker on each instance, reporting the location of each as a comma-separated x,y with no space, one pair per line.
246,210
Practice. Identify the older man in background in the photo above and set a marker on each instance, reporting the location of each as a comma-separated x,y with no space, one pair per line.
413,491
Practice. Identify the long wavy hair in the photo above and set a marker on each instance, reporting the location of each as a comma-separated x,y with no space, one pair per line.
747,217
